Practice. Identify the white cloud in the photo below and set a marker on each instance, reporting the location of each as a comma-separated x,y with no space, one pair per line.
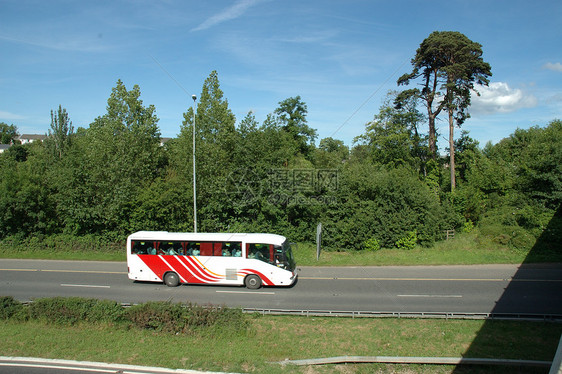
7,116
498,97
557,66
66,43
235,11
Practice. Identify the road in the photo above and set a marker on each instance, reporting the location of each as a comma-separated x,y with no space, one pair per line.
27,365
523,289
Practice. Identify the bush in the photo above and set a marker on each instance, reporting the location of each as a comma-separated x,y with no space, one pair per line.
408,241
9,307
385,204
72,310
60,243
468,226
159,316
177,318
371,245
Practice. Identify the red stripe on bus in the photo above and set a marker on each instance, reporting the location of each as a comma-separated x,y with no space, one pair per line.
198,273
266,281
177,266
155,264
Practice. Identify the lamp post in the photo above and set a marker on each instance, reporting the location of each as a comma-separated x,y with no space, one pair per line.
194,186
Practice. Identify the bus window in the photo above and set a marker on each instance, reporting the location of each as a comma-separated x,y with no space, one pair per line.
171,248
225,250
143,248
237,249
192,249
232,249
137,249
259,251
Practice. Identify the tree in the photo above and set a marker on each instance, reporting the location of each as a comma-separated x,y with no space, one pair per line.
393,138
61,131
8,133
215,148
449,64
443,60
214,120
108,166
331,153
292,115
536,156
466,152
463,67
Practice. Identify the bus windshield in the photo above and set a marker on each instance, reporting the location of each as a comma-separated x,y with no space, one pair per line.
284,256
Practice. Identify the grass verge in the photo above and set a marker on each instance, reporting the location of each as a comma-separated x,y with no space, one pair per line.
464,249
276,338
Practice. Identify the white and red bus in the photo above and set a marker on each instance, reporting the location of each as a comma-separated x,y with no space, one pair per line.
252,260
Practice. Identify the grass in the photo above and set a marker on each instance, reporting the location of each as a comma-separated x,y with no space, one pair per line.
464,249
272,339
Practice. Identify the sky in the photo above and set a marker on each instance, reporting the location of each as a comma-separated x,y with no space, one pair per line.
340,57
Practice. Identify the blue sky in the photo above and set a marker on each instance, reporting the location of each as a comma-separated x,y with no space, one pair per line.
341,57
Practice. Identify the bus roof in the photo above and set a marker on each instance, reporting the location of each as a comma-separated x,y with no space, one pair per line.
223,237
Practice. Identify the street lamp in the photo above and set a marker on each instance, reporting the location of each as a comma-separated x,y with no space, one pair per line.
194,186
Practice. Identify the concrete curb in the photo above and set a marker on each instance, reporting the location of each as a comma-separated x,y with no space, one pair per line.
416,360
98,366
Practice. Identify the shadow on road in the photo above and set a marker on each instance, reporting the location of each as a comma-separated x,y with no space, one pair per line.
519,297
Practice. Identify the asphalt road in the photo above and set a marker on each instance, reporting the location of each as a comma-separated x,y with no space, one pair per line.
523,289
29,365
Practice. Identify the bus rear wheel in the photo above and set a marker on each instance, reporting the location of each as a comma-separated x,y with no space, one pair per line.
252,282
171,279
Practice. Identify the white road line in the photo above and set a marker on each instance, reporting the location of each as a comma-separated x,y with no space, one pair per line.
435,296
248,292
9,364
84,285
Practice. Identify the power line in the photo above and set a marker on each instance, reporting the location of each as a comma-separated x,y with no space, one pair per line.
368,99
169,75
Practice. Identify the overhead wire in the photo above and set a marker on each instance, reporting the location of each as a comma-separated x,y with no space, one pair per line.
368,99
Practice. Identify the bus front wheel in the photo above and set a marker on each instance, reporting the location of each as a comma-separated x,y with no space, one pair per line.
252,282
171,280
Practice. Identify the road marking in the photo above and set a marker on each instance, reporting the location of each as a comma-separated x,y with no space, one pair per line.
85,271
84,285
248,292
435,296
57,367
18,270
68,271
427,279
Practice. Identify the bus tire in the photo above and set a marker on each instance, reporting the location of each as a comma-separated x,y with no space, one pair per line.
252,282
171,279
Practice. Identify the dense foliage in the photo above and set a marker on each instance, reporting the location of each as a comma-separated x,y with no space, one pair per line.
116,177
166,317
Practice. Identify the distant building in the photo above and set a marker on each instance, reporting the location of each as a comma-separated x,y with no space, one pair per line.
30,138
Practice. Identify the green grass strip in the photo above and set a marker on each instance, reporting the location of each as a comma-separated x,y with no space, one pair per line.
276,338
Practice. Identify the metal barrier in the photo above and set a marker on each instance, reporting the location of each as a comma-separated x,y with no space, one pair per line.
382,314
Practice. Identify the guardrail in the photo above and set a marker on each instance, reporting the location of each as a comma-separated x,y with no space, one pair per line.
382,314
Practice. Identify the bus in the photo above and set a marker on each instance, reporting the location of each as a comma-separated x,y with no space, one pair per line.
252,260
